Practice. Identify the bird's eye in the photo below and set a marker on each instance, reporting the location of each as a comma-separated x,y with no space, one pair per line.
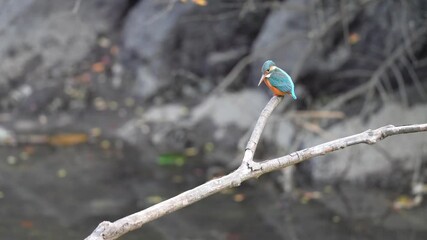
268,70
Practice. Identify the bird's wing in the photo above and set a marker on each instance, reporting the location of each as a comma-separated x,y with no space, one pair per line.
281,80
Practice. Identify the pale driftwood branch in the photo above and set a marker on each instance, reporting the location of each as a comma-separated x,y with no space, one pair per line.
247,170
256,133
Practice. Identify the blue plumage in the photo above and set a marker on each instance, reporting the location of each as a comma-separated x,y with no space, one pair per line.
278,79
267,65
282,81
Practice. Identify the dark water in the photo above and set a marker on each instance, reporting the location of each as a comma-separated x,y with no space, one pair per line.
63,193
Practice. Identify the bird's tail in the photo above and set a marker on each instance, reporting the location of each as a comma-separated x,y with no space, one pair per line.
293,95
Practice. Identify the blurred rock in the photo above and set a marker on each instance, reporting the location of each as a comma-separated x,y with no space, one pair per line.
284,39
147,83
317,43
241,109
280,131
219,121
378,162
42,40
167,37
10,9
6,137
166,113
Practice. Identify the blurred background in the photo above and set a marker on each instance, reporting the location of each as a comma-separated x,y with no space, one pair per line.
110,106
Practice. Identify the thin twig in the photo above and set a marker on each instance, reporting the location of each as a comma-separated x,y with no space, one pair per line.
401,83
380,71
314,128
113,230
161,14
404,26
318,114
233,74
345,23
76,6
383,93
415,79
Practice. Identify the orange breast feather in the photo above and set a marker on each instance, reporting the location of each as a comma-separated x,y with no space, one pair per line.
276,91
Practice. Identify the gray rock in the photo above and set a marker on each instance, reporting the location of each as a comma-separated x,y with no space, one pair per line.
397,153
310,42
294,40
166,113
147,28
5,136
167,38
284,38
147,83
40,39
220,121
241,109
149,34
53,34
10,9
280,130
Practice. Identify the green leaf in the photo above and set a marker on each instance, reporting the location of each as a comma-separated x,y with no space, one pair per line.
171,159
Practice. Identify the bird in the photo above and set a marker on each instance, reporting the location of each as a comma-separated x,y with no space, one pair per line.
279,82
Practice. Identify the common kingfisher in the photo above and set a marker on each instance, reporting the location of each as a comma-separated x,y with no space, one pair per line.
279,82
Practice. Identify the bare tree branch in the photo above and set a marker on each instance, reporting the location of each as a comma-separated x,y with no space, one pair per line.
368,87
161,14
76,6
247,170
401,83
415,79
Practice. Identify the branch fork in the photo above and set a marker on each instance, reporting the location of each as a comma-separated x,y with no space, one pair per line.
247,170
